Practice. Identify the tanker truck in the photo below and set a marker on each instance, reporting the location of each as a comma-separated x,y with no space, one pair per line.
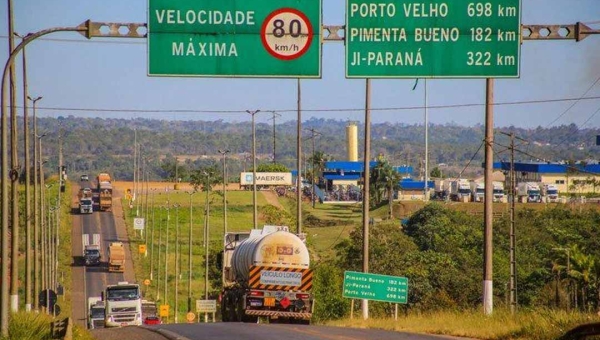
266,274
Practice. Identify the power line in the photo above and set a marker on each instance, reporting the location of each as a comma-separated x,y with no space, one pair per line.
575,103
401,108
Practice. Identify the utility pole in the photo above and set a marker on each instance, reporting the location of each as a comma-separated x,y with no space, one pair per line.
27,169
488,286
224,153
512,284
14,176
366,194
177,262
299,161
36,222
275,115
152,239
254,202
314,133
189,297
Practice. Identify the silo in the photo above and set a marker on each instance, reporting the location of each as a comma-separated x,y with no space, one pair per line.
352,139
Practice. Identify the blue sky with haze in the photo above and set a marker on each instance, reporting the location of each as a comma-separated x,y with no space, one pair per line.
110,74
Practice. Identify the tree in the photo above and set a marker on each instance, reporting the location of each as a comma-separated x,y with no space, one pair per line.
206,178
436,173
272,167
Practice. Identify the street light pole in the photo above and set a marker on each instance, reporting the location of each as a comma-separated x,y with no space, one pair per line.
27,169
152,239
224,153
189,297
255,214
207,239
177,260
36,224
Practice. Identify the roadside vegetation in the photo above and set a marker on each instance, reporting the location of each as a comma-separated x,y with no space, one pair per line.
37,325
438,247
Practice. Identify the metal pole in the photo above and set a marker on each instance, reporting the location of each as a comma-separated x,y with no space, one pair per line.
158,271
4,169
426,198
254,202
366,196
207,238
36,217
177,261
312,164
299,161
167,256
55,242
189,297
488,208
152,240
146,199
513,281
135,193
224,153
26,137
275,115
43,217
14,173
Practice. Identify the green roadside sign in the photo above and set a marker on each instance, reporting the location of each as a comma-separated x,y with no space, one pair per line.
376,287
234,38
433,39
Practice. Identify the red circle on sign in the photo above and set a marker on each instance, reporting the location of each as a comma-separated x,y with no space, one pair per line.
263,33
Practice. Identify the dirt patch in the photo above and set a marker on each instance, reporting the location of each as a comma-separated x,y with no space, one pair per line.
271,198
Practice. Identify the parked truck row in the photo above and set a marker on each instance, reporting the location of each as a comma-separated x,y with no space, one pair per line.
463,190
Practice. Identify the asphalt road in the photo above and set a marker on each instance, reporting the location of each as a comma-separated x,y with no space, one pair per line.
241,331
90,281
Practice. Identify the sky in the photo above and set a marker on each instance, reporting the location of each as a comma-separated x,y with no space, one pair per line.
87,78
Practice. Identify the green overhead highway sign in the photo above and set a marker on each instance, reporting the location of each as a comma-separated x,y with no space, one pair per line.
433,38
234,38
377,287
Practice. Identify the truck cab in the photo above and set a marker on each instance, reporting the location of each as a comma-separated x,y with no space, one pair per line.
91,255
123,305
95,313
86,205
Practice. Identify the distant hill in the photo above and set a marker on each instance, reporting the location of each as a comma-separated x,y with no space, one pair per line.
94,144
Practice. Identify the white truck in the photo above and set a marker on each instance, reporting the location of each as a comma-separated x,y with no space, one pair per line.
86,205
529,192
477,191
550,193
91,249
123,305
498,191
460,190
95,312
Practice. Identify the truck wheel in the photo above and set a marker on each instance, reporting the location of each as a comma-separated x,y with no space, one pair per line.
224,309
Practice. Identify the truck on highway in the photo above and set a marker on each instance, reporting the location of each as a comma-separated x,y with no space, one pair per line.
498,191
96,309
529,192
91,249
116,257
550,193
266,273
86,205
477,191
460,190
123,305
104,191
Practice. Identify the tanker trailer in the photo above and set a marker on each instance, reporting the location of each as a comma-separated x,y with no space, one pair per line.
265,273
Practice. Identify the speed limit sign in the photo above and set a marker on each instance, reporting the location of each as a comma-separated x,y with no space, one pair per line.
286,33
